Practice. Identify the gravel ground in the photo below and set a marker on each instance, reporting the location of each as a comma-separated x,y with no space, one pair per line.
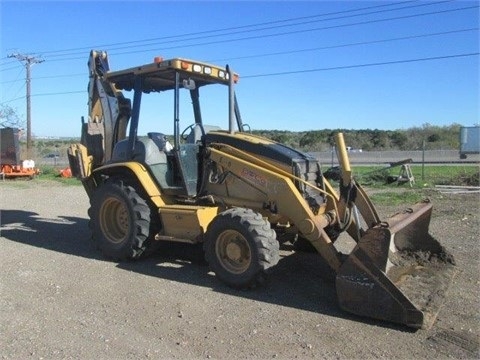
60,299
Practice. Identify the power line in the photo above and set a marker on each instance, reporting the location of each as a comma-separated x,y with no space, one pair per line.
274,22
361,65
12,100
345,45
60,76
294,51
297,51
13,81
305,50
201,35
333,68
45,94
9,62
10,68
61,93
45,77
289,32
14,96
227,29
281,33
269,28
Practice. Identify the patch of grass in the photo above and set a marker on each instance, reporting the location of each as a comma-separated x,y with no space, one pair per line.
409,196
452,175
429,175
53,173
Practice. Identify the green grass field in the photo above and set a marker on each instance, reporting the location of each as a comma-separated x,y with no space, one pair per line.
425,179
427,176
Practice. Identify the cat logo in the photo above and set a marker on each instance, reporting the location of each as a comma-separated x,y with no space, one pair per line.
254,177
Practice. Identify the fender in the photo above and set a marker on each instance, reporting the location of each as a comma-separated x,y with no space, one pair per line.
139,172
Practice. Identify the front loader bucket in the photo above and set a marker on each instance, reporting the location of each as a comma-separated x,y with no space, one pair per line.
397,272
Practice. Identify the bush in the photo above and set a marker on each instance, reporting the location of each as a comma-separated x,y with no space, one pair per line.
465,179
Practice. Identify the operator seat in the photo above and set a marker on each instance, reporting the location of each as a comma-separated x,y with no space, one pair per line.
146,152
161,141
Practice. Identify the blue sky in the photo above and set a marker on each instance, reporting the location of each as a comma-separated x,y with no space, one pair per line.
303,65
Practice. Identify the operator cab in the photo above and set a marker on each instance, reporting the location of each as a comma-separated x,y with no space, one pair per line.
177,168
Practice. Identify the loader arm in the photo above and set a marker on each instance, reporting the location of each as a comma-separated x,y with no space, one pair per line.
272,188
334,203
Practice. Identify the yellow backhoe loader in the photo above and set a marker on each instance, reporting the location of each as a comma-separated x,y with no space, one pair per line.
240,194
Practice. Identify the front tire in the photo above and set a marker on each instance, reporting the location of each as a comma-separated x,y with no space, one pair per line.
119,220
240,245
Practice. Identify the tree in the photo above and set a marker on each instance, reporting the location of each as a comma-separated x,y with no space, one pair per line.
10,118
281,137
433,137
310,139
399,139
379,139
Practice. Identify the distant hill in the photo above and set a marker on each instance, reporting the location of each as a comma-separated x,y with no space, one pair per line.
429,136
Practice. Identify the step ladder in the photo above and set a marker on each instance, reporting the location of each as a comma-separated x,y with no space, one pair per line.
406,175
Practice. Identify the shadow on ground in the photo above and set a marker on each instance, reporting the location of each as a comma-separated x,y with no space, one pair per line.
69,235
300,280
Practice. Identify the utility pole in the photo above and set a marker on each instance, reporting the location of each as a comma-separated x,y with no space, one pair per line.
29,61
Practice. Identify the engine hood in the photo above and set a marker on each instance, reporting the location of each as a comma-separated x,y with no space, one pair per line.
260,146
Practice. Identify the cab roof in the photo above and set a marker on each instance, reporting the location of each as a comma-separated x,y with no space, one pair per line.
160,75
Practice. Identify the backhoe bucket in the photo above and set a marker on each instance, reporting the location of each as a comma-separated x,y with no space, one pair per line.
397,272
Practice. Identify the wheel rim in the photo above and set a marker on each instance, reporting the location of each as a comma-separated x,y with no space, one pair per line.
114,220
233,251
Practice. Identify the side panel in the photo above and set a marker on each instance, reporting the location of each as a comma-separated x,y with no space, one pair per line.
185,223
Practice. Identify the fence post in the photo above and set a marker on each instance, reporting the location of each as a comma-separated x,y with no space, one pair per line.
423,160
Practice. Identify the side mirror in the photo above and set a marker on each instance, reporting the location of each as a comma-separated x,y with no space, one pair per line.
189,84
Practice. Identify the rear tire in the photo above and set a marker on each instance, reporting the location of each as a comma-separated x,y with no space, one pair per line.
119,220
240,245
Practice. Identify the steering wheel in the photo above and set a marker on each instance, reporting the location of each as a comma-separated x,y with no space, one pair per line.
184,135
